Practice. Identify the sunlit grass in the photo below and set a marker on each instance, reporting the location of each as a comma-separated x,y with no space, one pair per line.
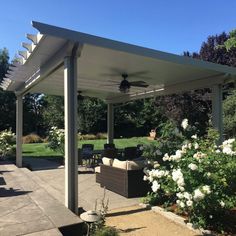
41,149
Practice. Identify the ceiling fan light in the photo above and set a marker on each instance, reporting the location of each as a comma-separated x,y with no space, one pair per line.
124,86
124,89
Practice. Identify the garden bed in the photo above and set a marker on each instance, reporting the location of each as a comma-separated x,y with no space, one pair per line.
182,219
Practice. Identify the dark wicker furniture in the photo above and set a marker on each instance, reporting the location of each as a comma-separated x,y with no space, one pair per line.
128,183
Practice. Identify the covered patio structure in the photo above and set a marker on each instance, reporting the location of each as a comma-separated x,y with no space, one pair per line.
61,62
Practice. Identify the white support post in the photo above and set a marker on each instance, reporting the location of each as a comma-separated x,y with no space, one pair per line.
217,114
71,145
110,123
19,129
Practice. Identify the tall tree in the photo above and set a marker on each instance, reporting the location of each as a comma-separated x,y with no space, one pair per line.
92,113
196,105
53,111
137,118
7,99
33,114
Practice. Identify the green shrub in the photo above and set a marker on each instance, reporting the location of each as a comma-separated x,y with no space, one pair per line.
229,108
106,231
199,177
89,136
101,136
7,142
56,140
32,138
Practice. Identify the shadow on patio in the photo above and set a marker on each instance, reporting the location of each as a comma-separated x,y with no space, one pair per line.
11,192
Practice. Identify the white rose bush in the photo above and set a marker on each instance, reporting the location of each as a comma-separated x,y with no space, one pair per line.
56,139
7,142
198,178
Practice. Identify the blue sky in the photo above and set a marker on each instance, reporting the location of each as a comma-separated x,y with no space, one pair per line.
167,25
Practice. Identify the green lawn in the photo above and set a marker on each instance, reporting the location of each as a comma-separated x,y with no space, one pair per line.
40,149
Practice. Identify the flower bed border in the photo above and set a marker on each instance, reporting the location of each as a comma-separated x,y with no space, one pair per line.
176,219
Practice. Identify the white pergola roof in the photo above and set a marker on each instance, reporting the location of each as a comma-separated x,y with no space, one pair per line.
41,69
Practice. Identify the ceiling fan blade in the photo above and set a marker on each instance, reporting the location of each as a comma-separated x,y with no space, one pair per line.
139,84
114,81
110,74
138,73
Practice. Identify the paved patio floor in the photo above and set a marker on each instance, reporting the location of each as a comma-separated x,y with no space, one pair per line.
27,208
89,191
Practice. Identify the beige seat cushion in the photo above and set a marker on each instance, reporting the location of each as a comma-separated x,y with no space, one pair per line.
120,164
135,165
97,169
107,161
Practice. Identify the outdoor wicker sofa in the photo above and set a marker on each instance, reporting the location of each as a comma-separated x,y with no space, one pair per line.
128,183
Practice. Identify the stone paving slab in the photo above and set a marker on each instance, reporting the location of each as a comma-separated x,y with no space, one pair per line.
26,207
50,232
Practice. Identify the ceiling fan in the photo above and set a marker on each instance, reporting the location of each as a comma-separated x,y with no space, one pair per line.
125,85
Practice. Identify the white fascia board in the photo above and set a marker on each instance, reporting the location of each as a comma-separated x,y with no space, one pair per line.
129,48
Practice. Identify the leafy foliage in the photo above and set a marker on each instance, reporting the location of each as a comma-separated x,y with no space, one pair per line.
194,105
198,177
33,106
229,106
53,111
7,99
92,116
56,140
230,43
106,231
7,141
137,118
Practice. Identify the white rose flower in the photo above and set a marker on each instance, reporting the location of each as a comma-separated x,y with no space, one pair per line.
155,186
194,136
227,150
182,205
206,189
181,188
196,146
180,195
145,178
222,203
218,151
192,166
184,149
189,203
166,157
184,124
187,195
231,140
180,182
198,195
150,178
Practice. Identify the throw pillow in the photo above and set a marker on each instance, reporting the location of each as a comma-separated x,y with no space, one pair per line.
107,161
120,164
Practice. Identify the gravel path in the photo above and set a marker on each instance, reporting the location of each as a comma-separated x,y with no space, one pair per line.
136,221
